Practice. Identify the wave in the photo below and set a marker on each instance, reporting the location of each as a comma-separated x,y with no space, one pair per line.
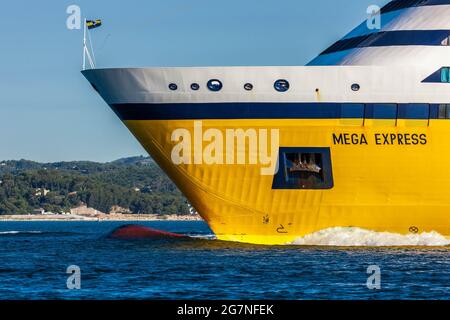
202,236
355,237
20,232
36,233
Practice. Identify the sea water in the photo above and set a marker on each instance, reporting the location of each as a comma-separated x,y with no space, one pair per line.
35,257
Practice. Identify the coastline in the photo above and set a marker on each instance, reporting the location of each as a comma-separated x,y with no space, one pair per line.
76,218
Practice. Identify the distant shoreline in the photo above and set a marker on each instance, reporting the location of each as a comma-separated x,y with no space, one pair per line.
118,218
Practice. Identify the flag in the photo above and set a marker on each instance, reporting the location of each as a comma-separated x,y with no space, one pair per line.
92,24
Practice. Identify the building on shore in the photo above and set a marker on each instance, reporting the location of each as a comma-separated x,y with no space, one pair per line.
41,192
39,211
84,210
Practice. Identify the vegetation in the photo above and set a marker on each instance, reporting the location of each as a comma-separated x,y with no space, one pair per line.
136,184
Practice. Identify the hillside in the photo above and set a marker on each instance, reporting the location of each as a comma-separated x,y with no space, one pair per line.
137,184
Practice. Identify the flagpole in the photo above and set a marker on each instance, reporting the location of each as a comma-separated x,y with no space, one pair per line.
84,45
86,54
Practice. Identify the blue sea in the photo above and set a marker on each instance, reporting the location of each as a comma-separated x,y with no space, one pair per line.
34,257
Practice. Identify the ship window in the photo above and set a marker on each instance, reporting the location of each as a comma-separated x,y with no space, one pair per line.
381,111
195,86
444,111
304,168
173,86
248,86
414,111
445,74
281,85
352,111
214,85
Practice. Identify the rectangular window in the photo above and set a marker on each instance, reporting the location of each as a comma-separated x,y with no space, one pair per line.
445,74
444,111
417,111
381,111
304,168
352,111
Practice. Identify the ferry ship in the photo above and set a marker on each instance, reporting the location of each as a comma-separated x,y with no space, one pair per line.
359,137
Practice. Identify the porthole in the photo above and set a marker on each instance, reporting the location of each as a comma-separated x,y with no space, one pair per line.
281,85
195,86
248,86
173,86
355,87
214,85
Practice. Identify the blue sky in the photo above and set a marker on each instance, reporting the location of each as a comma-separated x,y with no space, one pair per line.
49,112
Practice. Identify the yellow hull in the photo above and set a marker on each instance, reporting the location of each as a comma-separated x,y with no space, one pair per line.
399,188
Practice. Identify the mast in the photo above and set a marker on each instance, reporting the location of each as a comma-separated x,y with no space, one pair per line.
86,52
84,45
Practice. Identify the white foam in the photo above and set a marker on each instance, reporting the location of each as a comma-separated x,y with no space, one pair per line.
204,237
366,238
17,232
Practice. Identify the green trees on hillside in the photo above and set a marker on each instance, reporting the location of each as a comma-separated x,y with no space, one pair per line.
136,184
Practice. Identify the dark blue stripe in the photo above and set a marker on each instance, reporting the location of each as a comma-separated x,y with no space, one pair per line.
403,4
228,111
439,76
199,111
391,38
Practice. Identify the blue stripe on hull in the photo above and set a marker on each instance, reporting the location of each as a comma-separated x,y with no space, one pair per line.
194,111
404,4
391,38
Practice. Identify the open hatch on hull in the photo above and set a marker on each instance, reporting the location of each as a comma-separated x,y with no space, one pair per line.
304,168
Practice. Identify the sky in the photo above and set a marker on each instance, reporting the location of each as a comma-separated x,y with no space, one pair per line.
49,112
